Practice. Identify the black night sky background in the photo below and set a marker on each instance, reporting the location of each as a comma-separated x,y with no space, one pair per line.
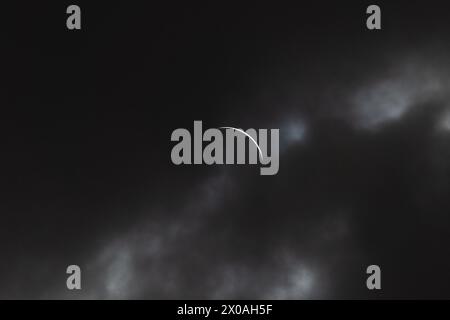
86,176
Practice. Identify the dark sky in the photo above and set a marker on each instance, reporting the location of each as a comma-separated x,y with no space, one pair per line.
86,176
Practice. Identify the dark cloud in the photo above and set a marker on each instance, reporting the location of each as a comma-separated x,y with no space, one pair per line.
364,161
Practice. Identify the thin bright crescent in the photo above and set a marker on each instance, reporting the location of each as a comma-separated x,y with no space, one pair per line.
250,137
